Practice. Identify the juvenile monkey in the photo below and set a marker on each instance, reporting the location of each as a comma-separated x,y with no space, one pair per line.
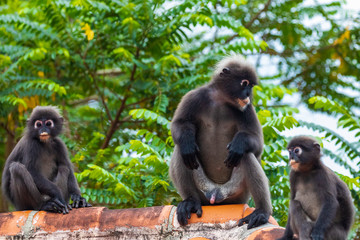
218,145
38,174
320,206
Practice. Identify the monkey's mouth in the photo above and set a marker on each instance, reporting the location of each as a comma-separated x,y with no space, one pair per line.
243,102
44,136
294,164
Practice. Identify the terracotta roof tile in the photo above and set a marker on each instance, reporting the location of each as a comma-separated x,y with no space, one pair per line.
152,222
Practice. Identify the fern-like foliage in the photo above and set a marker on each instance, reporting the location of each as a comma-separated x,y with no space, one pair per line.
347,120
141,172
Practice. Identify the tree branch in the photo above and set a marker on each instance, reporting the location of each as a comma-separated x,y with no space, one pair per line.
7,130
97,87
102,98
114,124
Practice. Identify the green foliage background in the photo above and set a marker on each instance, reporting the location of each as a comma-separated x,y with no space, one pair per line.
117,69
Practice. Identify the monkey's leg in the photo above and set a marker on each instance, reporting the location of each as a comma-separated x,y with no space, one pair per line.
257,184
61,181
305,230
301,222
336,232
23,189
183,180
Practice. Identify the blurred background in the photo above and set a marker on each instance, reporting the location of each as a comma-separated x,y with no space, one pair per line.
117,70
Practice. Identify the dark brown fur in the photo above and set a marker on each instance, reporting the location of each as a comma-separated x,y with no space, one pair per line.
38,174
320,206
218,145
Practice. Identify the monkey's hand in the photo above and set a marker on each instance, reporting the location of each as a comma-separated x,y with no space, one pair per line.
56,205
189,153
79,201
255,219
317,234
185,208
236,151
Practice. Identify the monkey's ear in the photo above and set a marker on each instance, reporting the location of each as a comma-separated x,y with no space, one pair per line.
61,119
317,146
225,71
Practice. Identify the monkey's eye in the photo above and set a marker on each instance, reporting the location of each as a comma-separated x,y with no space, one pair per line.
245,83
38,124
49,123
297,150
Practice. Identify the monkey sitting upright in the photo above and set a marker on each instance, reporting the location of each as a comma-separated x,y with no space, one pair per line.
320,206
218,145
38,174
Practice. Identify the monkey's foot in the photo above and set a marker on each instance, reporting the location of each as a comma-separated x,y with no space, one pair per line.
79,202
317,235
255,219
186,207
55,205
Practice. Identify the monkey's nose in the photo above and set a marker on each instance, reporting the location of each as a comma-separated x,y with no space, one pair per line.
44,134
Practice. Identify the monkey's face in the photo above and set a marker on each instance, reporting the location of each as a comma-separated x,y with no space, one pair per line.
237,85
44,128
44,123
304,153
295,157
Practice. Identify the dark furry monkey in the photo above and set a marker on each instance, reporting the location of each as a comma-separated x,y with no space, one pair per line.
38,174
320,204
218,145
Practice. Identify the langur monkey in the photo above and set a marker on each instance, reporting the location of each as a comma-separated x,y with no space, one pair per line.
320,205
218,145
38,174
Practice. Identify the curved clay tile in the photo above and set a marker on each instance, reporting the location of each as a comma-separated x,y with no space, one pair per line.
217,222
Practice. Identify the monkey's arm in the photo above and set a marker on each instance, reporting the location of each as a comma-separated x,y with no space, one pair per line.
43,184
63,160
326,217
347,206
46,187
183,126
182,178
248,140
75,194
242,143
258,186
72,184
288,234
